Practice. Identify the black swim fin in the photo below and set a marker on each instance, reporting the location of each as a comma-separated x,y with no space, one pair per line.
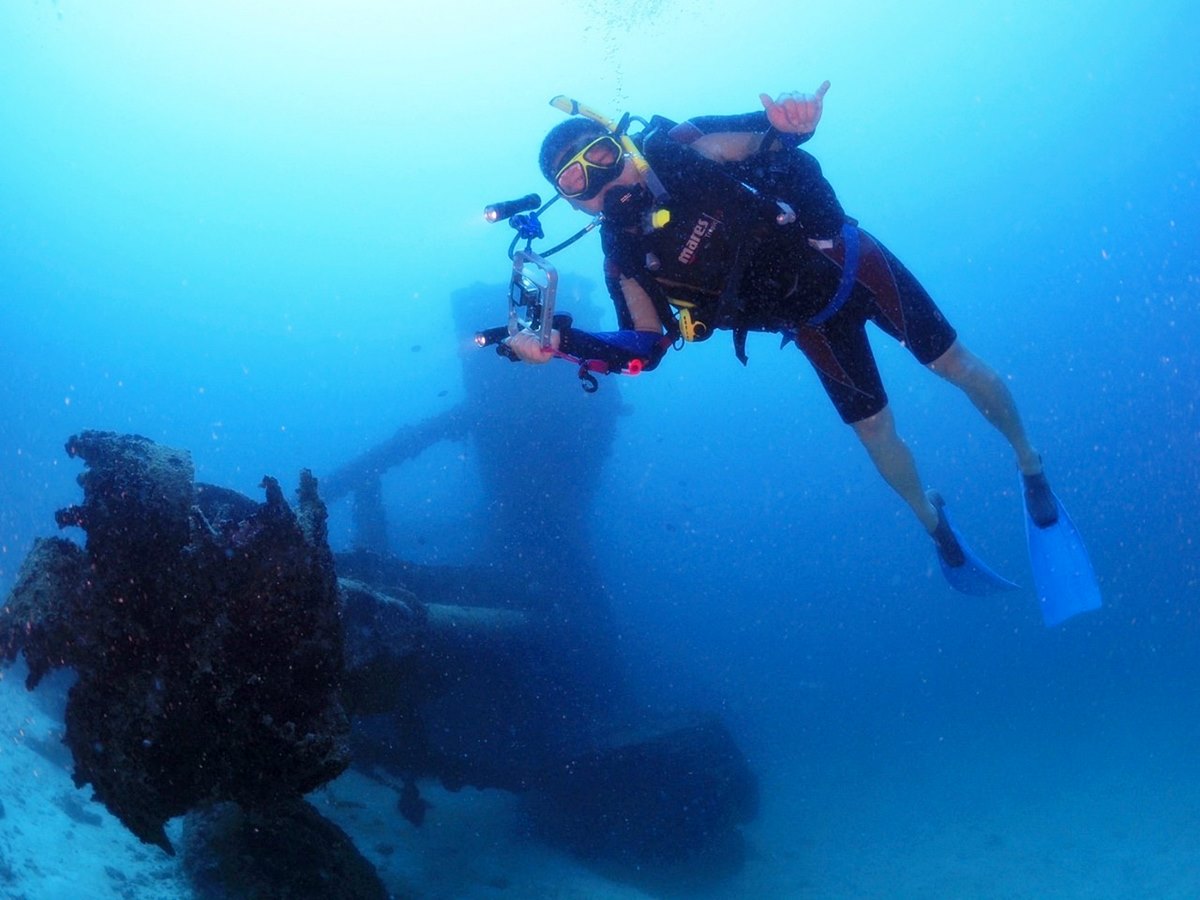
1062,570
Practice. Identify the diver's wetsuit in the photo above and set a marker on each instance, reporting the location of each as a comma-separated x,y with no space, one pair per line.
724,262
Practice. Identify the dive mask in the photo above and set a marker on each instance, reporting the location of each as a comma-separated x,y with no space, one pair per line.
587,173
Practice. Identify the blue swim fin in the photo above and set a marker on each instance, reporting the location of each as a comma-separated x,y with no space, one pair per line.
965,571
1062,571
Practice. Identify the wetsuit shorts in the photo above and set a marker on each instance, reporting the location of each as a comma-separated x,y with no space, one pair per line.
887,294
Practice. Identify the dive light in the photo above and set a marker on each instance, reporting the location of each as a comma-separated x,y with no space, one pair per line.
506,209
489,337
494,337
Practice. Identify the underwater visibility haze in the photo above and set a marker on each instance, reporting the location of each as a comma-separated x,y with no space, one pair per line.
237,228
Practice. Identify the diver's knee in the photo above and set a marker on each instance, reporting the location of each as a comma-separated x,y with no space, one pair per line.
875,428
957,364
952,359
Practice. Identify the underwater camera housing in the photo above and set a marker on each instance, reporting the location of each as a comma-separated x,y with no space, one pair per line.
531,292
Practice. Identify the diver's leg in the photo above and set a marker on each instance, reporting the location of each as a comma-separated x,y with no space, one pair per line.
904,309
895,463
991,397
841,355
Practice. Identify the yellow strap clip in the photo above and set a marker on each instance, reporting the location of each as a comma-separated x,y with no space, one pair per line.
690,328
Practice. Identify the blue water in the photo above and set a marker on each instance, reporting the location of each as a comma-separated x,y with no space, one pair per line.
234,228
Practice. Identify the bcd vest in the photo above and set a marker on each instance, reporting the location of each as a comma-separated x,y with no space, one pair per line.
721,258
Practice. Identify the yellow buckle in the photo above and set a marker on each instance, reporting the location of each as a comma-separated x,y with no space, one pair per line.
690,328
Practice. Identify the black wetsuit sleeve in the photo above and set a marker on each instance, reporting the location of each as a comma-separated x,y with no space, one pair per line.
784,171
753,122
613,351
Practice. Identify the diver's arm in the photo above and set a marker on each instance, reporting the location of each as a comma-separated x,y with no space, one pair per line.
603,351
734,146
643,343
639,306
614,351
734,138
636,347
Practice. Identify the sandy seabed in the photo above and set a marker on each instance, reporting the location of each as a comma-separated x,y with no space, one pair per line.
1108,808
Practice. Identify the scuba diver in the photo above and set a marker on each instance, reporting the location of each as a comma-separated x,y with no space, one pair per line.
724,223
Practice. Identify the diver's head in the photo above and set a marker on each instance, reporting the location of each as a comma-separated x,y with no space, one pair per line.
580,158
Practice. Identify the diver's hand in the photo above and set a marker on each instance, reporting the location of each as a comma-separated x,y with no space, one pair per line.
795,113
528,346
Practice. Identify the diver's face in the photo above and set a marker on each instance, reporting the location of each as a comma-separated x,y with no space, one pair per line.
595,205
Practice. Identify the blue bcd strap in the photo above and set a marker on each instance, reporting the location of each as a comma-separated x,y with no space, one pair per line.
846,283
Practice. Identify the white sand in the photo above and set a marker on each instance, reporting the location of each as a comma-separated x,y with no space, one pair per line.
1108,808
